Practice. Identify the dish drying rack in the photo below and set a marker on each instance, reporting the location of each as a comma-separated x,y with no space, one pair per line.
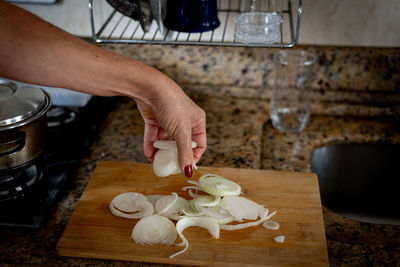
111,27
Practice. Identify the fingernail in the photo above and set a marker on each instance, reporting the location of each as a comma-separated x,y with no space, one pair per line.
188,171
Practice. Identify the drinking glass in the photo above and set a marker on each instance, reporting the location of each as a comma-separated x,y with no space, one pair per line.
290,101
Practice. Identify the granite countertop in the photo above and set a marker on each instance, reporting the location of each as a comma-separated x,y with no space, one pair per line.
240,134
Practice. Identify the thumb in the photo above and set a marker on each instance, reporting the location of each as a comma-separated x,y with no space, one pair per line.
185,152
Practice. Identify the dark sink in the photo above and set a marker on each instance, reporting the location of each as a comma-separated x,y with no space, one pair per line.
360,181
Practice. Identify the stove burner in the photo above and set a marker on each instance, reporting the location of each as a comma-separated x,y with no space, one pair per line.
29,193
60,116
19,184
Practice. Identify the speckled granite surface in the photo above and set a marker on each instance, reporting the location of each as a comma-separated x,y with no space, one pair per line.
240,134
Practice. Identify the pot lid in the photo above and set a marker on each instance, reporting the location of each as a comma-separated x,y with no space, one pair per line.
19,106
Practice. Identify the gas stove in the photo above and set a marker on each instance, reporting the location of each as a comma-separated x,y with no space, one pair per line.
28,194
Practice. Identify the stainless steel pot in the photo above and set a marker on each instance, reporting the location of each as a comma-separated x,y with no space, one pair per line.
22,124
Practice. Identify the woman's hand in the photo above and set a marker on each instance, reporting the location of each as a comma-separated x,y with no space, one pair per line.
172,113
43,54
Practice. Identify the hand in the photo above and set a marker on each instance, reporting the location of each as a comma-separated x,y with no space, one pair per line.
43,54
173,113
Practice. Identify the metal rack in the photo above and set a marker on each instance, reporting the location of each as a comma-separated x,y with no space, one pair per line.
111,27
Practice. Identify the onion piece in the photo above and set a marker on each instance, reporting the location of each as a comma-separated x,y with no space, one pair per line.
193,182
191,194
154,198
240,207
126,202
264,218
205,222
190,187
279,239
131,205
166,162
271,225
221,215
212,202
170,206
190,210
205,201
154,229
168,144
219,186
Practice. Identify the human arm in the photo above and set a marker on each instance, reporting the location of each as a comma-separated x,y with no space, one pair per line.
35,51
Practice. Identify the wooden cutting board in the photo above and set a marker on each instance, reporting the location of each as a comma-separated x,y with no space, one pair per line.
94,232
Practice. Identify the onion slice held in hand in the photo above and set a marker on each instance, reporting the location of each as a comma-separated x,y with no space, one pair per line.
168,144
166,158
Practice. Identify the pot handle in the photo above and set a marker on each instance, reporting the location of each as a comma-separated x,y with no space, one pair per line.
11,146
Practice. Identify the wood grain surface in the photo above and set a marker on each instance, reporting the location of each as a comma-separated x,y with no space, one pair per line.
94,232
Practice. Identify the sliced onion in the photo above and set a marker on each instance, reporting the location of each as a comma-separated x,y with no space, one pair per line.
170,206
240,207
195,187
190,210
168,144
219,186
193,182
154,229
271,225
166,162
191,194
205,222
131,205
279,239
205,201
154,198
264,218
221,215
126,202
165,202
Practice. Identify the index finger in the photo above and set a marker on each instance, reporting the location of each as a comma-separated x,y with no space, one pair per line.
199,135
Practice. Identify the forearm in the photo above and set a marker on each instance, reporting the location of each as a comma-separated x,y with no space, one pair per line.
36,52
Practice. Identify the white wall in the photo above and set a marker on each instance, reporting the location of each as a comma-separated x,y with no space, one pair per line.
324,22
351,22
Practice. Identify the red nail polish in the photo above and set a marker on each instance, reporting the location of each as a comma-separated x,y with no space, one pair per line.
188,171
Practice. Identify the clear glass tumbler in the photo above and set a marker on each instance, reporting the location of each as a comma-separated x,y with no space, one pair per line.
290,101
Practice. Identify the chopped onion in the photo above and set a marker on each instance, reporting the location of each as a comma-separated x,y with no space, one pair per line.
131,205
205,222
271,225
264,218
240,207
154,229
279,239
219,186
